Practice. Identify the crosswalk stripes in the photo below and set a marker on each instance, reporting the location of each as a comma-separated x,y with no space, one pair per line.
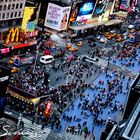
34,131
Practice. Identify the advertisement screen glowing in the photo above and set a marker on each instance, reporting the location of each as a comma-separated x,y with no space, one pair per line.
86,10
57,17
29,19
123,5
100,7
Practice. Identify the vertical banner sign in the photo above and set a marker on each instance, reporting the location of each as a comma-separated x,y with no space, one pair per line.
123,5
100,7
108,10
57,17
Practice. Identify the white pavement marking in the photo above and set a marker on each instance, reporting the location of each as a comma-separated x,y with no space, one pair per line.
34,131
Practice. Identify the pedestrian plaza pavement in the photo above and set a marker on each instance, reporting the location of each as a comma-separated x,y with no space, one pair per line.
121,98
135,68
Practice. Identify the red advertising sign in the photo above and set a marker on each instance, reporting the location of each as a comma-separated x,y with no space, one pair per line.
25,44
31,34
48,109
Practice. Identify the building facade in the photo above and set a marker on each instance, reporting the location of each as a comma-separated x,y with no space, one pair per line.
11,14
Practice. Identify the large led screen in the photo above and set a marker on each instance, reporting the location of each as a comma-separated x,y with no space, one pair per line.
123,5
57,17
86,9
100,7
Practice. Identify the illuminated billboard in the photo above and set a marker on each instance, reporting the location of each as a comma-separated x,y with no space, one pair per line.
123,5
100,7
108,10
75,10
117,6
85,10
29,19
57,17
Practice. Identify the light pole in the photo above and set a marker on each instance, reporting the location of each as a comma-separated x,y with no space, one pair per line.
37,52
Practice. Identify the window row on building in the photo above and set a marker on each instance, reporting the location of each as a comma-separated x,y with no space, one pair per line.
5,16
3,1
13,6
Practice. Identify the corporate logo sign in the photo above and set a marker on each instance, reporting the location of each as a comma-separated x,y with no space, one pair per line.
57,17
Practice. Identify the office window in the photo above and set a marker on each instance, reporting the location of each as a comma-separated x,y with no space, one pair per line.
4,7
0,7
19,14
0,16
3,16
13,6
21,6
7,15
5,0
11,16
17,6
9,6
15,14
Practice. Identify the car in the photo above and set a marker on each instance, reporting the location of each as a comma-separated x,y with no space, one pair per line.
47,59
98,37
92,44
14,69
12,59
73,49
68,46
90,40
80,43
119,39
113,34
103,40
109,37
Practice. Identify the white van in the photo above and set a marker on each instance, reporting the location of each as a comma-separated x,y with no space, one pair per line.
46,59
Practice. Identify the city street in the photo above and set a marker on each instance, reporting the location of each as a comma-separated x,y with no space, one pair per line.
71,67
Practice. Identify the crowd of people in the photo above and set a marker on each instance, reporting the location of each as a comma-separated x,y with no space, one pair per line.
76,74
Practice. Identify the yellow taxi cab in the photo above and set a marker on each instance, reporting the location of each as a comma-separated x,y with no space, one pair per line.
73,49
106,34
14,70
80,43
109,37
68,46
11,60
113,34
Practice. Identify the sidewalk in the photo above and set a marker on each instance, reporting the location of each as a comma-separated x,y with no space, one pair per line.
32,131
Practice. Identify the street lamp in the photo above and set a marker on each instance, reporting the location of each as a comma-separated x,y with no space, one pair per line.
37,52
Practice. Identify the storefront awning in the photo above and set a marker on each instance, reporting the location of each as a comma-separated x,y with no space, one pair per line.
113,22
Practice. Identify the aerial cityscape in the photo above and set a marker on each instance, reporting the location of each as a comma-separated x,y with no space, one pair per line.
69,69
